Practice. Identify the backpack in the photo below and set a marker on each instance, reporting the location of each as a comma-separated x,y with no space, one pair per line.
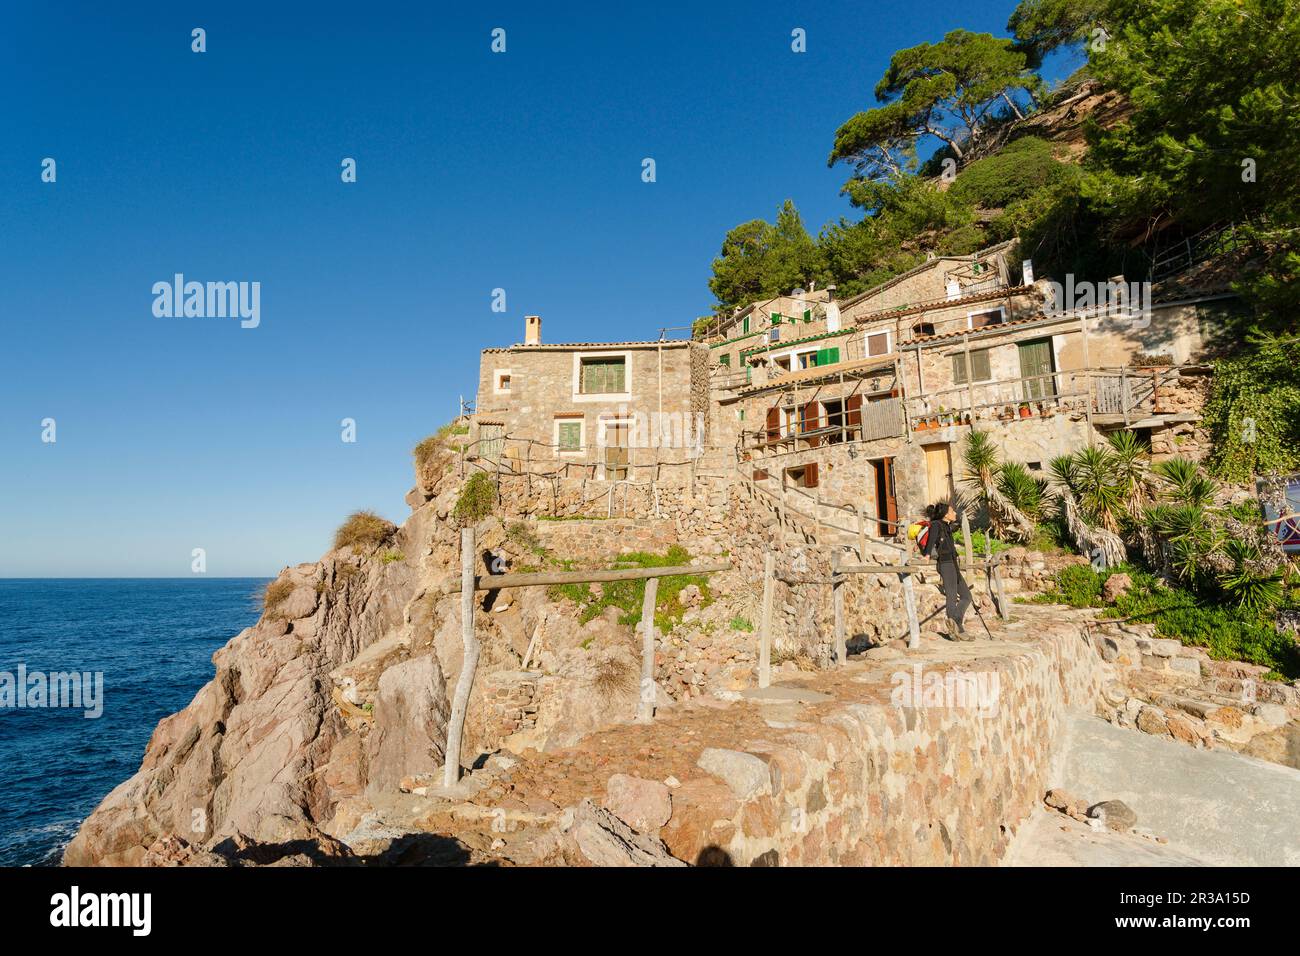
920,533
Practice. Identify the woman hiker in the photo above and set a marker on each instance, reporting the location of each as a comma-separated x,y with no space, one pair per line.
940,543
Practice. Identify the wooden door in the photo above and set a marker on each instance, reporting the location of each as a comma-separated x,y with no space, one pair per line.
938,472
773,424
616,438
491,439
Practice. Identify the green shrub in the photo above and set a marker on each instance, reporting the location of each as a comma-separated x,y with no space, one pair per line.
477,498
742,624
363,530
1227,633
1019,170
628,596
388,557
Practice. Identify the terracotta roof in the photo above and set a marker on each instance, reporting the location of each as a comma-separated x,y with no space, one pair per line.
573,346
935,305
883,362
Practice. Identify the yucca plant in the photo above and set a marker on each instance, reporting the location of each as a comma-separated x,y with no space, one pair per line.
1129,461
1022,489
983,468
1088,538
1100,494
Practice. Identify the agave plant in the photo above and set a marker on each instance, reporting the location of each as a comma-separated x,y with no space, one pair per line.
1183,481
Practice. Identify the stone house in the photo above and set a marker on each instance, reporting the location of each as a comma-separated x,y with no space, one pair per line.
607,411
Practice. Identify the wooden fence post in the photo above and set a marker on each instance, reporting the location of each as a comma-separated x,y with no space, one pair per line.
1004,612
469,664
765,624
862,532
913,625
837,602
645,708
965,534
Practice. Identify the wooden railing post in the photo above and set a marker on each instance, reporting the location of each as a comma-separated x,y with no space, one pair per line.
837,602
469,663
646,705
1004,611
965,534
765,622
913,625
862,532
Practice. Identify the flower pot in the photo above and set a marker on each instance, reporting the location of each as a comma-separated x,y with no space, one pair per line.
1024,411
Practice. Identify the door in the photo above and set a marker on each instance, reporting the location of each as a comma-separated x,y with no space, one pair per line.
938,472
616,438
491,438
1036,360
886,500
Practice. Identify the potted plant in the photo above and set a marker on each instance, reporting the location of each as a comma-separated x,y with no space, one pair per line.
1024,410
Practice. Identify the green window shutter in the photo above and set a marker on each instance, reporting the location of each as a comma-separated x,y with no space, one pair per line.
776,318
980,360
724,360
745,326
959,368
832,355
570,436
807,315
603,376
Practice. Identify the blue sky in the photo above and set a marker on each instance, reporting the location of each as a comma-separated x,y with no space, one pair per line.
475,170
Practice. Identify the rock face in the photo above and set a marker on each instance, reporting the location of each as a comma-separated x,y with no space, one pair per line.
642,804
410,730
242,758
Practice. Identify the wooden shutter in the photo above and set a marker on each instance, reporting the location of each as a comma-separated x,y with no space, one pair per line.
808,422
570,436
724,360
810,475
891,497
773,424
959,368
853,411
1036,359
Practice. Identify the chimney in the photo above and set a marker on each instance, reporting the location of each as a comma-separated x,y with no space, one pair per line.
532,330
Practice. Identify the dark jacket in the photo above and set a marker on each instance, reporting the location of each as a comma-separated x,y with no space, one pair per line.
940,543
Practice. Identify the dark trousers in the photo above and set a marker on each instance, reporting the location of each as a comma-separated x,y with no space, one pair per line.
955,591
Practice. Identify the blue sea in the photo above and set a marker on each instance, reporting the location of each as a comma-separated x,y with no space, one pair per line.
152,639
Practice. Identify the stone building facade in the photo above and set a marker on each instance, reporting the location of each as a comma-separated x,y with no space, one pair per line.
607,411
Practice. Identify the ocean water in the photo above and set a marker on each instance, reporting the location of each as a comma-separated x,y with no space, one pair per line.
152,639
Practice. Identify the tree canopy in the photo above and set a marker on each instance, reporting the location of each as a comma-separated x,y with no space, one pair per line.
761,259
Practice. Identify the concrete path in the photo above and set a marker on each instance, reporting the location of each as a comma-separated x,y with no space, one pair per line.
1215,807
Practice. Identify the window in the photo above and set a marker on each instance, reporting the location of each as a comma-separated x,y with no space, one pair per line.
744,326
569,437
603,376
923,328
774,335
776,318
783,362
724,360
878,343
980,320
979,360
808,359
807,315
501,381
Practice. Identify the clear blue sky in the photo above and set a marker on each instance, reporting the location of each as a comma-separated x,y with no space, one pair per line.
475,171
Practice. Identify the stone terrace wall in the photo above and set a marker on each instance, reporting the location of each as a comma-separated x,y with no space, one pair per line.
874,784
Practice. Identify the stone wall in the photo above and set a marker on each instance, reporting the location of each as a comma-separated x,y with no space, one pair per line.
876,784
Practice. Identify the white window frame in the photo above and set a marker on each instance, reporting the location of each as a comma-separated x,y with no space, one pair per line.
497,375
580,396
889,341
582,435
796,354
970,316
